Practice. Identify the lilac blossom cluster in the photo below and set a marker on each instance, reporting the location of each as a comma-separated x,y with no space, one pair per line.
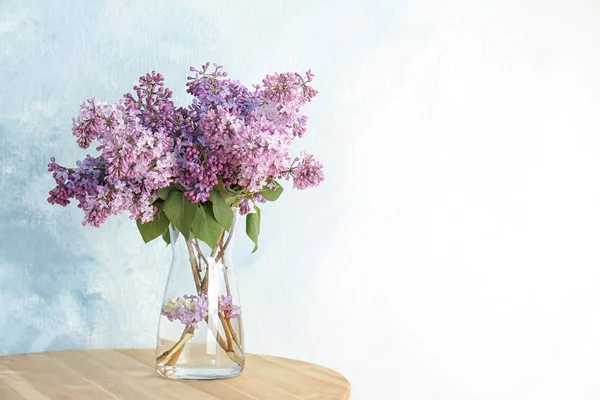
227,307
190,309
136,155
228,133
243,136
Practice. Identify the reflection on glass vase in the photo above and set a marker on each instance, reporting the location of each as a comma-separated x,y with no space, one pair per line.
200,333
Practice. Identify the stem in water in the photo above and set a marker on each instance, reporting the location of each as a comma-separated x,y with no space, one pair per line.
227,332
168,355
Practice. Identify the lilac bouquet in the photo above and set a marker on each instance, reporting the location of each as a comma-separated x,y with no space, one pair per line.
188,166
190,171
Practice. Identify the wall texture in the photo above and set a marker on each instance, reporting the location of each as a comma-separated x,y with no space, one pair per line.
451,252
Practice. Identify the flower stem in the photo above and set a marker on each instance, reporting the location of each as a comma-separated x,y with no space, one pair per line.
220,339
226,278
234,335
195,269
224,247
241,326
197,245
169,355
227,332
221,256
219,242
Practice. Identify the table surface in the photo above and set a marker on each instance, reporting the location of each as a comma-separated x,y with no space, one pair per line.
130,375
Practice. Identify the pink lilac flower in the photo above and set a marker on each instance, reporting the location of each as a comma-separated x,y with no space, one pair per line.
308,173
95,119
230,310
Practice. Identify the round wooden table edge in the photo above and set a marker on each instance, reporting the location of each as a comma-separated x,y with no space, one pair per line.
346,395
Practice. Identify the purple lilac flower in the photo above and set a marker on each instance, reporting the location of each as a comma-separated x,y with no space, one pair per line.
134,164
230,310
308,173
95,119
190,309
153,104
259,198
244,207
230,132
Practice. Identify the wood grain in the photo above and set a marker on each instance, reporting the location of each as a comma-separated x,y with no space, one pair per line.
130,375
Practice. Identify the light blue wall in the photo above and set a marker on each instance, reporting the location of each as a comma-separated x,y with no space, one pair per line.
64,286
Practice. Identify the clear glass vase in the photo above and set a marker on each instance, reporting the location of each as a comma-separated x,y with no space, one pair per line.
200,333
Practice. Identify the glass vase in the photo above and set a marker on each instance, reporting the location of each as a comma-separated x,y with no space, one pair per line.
200,333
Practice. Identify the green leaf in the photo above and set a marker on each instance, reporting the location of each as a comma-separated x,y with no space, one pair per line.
167,237
181,211
163,193
221,209
229,196
177,186
253,227
205,227
272,194
153,229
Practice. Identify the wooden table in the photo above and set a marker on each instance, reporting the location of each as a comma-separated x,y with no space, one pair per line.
130,375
